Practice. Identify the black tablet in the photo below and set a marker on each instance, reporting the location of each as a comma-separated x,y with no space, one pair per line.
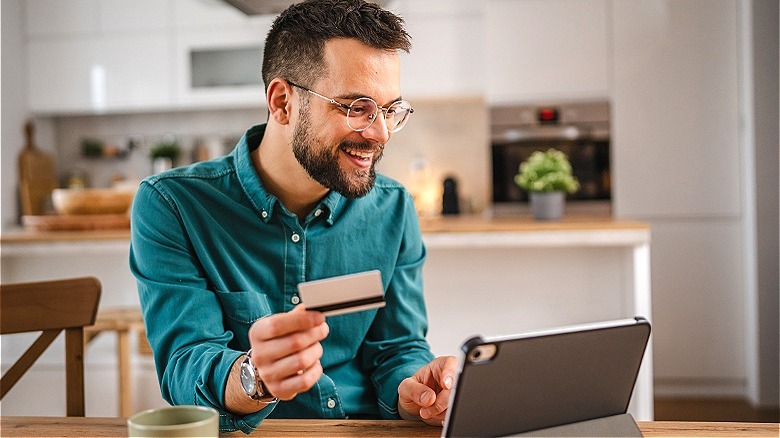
541,380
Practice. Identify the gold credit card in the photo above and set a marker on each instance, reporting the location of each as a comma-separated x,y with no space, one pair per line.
343,294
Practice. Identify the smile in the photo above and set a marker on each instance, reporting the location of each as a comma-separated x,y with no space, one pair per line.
358,153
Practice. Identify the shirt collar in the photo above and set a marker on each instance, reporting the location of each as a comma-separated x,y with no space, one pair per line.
263,201
332,204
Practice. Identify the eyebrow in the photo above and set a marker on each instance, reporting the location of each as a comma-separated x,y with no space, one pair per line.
354,96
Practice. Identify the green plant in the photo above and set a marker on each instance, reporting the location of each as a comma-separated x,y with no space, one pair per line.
548,171
165,150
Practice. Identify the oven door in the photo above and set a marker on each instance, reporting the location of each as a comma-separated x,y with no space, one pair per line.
589,157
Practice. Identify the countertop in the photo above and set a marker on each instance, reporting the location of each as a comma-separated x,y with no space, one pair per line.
443,224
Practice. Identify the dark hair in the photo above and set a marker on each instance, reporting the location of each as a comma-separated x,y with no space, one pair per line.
294,46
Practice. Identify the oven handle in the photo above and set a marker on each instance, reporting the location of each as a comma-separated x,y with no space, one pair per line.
556,132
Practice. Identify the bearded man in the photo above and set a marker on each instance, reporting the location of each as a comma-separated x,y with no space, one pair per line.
219,247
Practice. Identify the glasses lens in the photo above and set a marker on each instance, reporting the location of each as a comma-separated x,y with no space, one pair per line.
361,114
397,115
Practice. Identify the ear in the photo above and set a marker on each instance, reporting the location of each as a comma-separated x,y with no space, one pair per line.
278,97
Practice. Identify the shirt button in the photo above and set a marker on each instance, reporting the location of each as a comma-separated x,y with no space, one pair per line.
264,214
318,212
331,403
295,299
296,237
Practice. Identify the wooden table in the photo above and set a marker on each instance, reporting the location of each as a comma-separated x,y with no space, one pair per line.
100,426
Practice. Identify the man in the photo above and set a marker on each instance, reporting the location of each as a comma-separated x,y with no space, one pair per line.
219,247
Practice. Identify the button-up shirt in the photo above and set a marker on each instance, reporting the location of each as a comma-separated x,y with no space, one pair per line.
213,251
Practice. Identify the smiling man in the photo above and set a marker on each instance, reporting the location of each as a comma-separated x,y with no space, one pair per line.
218,248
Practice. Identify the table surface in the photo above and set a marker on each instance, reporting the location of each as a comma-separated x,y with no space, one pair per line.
16,426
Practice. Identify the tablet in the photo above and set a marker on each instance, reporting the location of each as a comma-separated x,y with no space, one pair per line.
528,382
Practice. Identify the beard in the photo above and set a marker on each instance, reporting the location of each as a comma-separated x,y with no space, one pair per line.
322,162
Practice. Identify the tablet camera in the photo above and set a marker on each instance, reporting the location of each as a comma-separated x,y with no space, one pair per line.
482,353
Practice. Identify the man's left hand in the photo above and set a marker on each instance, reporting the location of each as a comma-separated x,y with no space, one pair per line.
426,394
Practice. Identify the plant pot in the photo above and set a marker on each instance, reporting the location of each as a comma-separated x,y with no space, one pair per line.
161,164
547,206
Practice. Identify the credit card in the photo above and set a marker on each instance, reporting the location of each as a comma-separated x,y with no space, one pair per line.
343,294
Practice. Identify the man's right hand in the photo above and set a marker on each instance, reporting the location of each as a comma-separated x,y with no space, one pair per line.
286,350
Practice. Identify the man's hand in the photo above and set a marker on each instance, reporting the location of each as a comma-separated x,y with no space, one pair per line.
286,350
426,394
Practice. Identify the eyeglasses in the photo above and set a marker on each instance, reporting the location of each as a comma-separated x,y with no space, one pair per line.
362,112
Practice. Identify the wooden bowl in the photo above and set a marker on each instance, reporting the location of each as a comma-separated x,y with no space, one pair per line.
91,201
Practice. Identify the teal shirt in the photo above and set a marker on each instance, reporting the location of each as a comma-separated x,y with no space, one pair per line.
213,252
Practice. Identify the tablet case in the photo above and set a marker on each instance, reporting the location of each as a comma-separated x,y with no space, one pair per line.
553,379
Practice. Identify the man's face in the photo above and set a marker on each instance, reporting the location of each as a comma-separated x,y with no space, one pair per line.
321,161
332,153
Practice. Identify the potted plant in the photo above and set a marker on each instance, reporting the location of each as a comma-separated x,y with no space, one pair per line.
547,176
164,155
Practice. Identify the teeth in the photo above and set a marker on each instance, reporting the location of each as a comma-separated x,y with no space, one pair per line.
357,153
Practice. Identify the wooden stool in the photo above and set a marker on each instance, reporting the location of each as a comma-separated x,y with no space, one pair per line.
121,320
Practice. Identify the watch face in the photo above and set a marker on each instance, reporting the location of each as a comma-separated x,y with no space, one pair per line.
248,378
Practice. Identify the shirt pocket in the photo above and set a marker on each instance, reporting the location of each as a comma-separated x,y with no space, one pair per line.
241,309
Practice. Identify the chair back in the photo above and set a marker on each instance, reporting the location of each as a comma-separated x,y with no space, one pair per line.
51,307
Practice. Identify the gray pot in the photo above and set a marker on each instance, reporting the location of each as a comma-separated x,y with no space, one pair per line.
547,206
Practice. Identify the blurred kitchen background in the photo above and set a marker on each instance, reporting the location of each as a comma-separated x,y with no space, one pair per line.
685,135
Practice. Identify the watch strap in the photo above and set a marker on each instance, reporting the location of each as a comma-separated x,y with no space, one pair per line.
261,394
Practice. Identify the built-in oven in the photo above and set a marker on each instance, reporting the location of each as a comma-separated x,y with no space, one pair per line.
578,129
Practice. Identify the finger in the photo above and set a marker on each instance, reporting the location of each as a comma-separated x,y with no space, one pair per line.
292,365
438,408
410,391
288,388
281,324
267,352
448,371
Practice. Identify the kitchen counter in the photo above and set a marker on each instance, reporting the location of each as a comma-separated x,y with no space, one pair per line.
443,224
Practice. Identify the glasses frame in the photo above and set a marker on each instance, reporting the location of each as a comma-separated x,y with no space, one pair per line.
349,108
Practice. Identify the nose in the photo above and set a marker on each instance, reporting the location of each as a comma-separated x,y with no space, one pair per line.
378,131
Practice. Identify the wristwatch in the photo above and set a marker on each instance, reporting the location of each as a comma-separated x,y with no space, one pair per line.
252,384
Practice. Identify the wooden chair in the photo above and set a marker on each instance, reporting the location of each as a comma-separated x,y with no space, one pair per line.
51,307
122,321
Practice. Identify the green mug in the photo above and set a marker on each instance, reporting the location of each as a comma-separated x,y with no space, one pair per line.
175,421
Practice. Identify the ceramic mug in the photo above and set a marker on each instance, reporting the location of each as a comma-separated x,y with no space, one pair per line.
175,421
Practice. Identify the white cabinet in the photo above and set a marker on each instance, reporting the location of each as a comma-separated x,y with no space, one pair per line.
62,17
134,15
87,56
446,57
91,56
95,75
545,50
676,163
220,67
676,109
48,18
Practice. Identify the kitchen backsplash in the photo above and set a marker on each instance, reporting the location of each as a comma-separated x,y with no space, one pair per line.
445,137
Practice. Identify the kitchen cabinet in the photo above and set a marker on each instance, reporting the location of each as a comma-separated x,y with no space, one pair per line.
545,50
70,18
676,164
676,109
88,56
112,73
446,57
220,66
46,18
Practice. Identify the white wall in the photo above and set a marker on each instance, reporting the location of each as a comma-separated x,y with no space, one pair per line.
14,103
